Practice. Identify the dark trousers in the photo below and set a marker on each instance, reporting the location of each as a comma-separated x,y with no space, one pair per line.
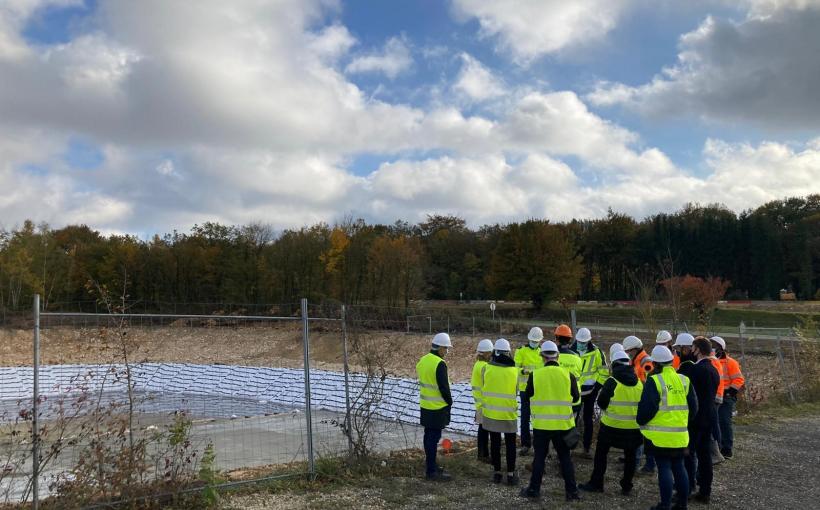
727,434
495,450
588,403
526,439
431,439
599,469
699,461
671,474
541,440
483,442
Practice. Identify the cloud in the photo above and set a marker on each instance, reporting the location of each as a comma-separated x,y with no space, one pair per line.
476,81
392,60
759,70
530,29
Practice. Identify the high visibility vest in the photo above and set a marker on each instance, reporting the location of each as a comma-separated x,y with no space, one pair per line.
643,367
731,375
527,359
551,403
429,394
593,368
475,382
622,410
498,393
668,428
572,364
722,384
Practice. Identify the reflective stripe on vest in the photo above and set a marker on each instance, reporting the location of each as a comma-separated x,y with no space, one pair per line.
429,395
668,428
475,382
498,393
551,402
622,410
593,367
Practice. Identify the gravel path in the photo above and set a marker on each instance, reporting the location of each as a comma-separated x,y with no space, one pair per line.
775,466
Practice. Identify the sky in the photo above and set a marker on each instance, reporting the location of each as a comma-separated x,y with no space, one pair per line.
144,117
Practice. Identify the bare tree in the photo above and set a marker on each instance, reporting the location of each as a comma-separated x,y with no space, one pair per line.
644,285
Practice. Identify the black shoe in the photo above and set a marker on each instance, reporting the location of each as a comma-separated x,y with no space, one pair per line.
512,480
590,487
524,451
587,454
646,470
573,496
528,493
626,489
497,478
726,452
621,460
702,498
439,476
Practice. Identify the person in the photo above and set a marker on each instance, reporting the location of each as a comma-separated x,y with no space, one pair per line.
667,404
435,401
683,346
618,400
717,457
499,408
615,348
568,358
642,366
664,338
733,382
705,380
483,353
527,359
552,390
594,373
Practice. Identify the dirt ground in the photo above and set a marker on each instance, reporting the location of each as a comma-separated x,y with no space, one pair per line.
775,466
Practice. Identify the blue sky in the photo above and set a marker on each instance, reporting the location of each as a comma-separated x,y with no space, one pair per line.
135,117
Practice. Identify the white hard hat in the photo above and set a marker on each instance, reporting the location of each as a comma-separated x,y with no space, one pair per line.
632,342
485,345
583,335
684,340
620,355
549,347
535,334
661,354
615,348
442,340
502,345
720,341
664,337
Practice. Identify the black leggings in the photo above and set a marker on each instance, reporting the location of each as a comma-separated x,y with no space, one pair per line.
495,450
588,416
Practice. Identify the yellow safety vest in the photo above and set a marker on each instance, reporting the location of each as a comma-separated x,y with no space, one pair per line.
429,394
668,429
623,407
593,367
475,382
529,359
551,402
572,364
498,393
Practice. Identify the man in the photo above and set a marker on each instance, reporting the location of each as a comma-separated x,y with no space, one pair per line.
483,353
499,408
717,457
618,400
683,346
667,403
642,366
664,338
435,401
733,382
551,390
593,375
527,359
568,358
705,380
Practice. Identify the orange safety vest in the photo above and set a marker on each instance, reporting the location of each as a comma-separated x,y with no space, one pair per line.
722,385
732,377
642,366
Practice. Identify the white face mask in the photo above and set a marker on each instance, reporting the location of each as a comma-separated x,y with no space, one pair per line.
582,346
533,343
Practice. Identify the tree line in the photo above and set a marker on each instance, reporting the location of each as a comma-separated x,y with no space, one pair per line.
756,252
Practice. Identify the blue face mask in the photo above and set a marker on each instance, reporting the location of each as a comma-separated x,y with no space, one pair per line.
533,343
582,346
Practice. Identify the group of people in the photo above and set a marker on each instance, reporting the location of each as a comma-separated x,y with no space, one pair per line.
673,407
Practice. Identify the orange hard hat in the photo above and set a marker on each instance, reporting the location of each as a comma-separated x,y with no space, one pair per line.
563,330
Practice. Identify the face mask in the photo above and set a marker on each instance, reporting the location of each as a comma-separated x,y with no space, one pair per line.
533,344
582,347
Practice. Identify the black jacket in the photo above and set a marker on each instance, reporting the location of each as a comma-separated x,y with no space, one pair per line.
705,380
618,438
439,418
648,408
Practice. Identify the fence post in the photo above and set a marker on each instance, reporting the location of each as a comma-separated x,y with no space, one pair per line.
448,324
430,324
347,382
35,433
308,417
742,343
783,374
574,320
473,325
